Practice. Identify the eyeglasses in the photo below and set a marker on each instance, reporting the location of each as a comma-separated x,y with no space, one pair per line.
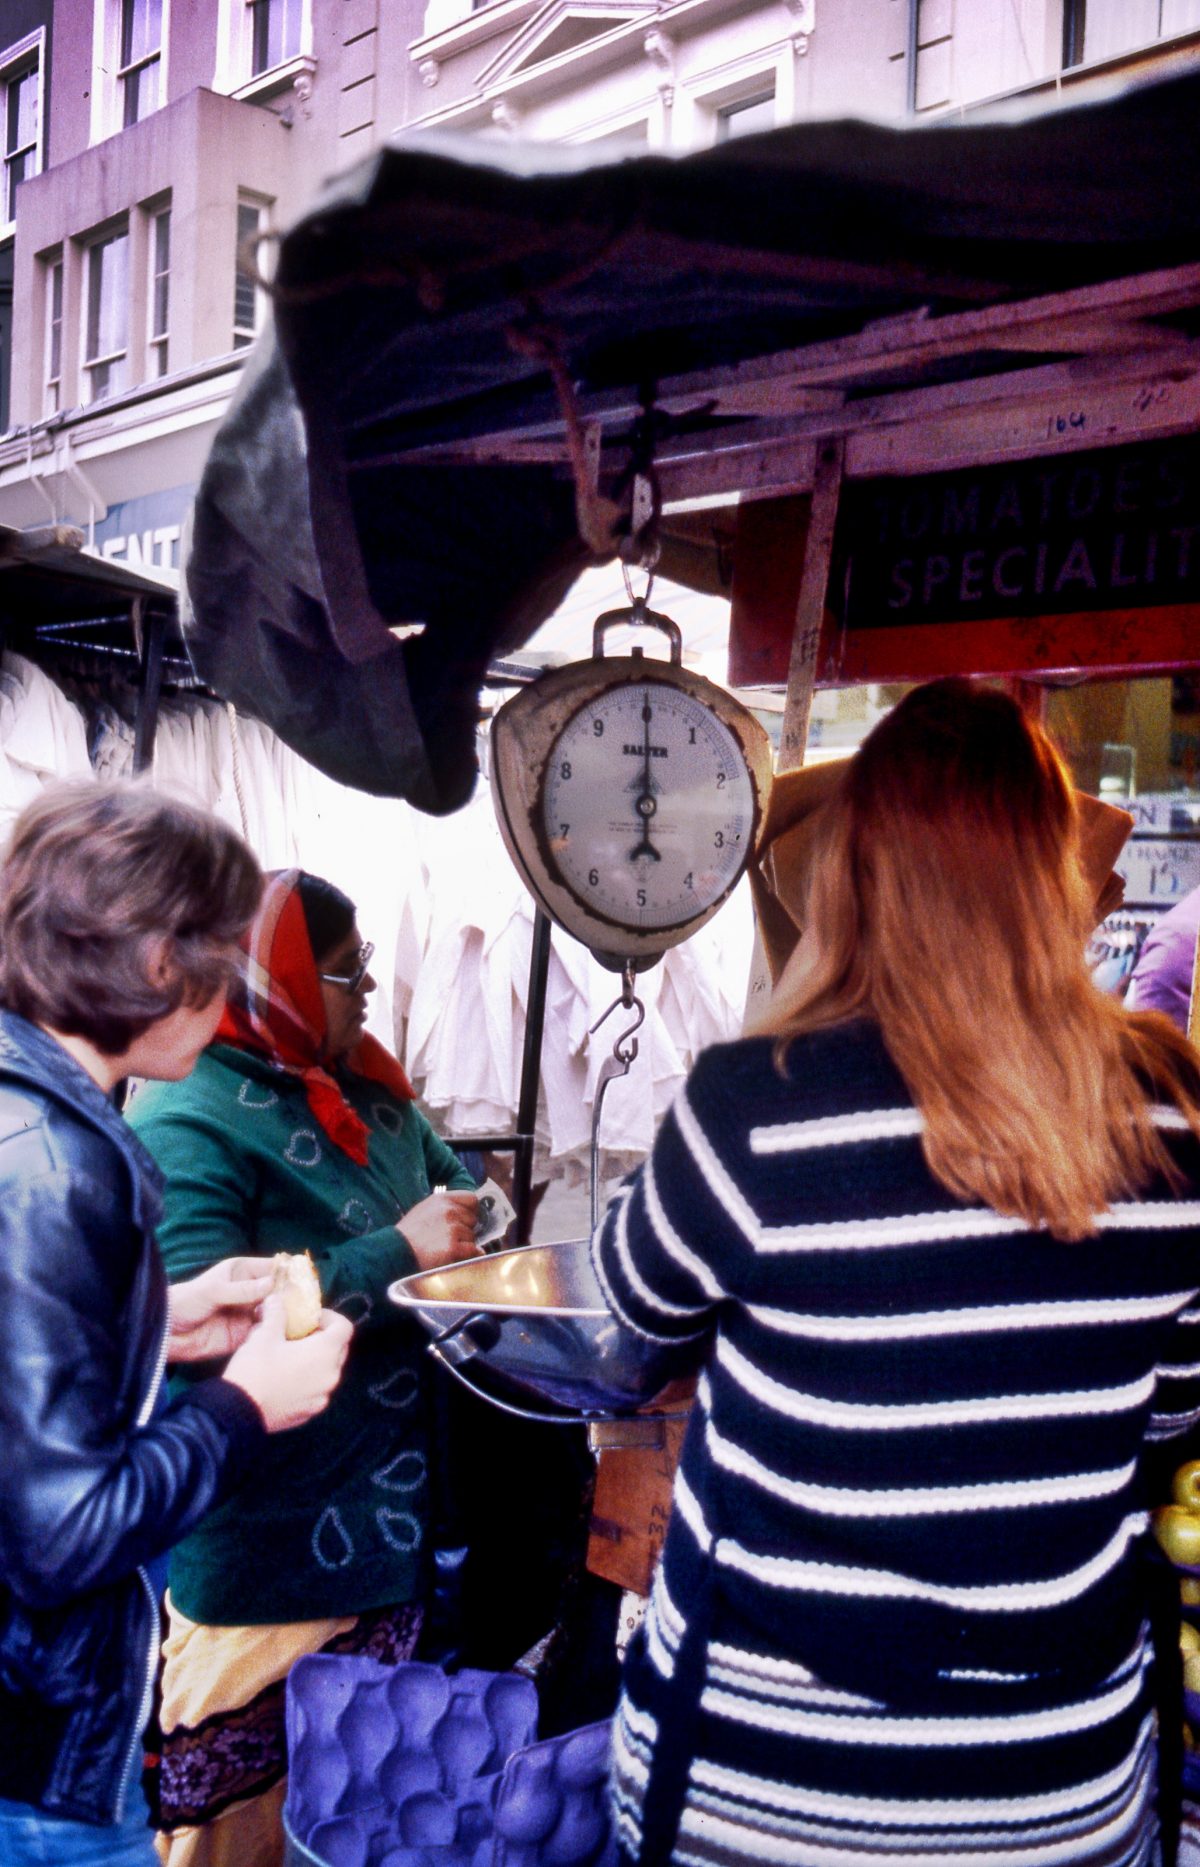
351,982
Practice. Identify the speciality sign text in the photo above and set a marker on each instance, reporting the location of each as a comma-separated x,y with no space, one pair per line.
1114,529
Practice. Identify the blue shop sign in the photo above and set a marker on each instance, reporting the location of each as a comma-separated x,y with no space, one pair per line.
145,533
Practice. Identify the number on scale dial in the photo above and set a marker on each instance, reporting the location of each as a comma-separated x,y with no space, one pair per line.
647,806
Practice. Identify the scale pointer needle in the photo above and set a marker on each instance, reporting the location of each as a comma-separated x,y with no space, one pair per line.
644,803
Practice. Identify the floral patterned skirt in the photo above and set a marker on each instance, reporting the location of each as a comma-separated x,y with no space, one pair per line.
223,1742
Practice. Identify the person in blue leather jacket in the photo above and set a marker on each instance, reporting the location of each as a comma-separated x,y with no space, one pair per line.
118,915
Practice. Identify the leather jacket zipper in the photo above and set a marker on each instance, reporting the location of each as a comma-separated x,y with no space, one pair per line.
147,1698
147,1408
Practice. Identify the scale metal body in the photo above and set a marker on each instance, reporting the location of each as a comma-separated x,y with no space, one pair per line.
630,793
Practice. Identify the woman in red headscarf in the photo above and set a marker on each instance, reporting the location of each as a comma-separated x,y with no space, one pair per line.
297,1132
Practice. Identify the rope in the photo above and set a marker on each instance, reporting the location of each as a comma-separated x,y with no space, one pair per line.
598,518
235,734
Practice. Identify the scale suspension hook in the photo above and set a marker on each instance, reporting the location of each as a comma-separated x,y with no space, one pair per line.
619,1064
625,1048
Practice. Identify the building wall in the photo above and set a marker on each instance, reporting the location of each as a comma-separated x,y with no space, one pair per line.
20,20
482,68
195,154
823,57
663,74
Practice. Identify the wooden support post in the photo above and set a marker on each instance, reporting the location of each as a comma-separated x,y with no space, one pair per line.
151,643
810,607
531,1065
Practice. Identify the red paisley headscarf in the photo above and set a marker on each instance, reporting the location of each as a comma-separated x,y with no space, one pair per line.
276,1009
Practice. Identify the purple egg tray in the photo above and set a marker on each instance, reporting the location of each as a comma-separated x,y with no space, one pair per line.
408,1766
552,1803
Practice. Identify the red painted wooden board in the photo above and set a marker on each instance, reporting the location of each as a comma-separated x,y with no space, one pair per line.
1111,642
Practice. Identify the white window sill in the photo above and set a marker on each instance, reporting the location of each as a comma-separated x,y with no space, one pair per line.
8,230
278,78
444,37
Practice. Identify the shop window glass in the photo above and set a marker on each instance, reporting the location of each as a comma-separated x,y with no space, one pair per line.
6,330
275,32
54,334
247,295
141,58
106,325
20,133
1097,29
160,290
1137,744
747,117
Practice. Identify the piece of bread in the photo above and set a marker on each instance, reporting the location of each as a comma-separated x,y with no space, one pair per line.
297,1281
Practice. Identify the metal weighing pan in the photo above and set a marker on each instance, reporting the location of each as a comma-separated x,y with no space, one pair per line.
530,1331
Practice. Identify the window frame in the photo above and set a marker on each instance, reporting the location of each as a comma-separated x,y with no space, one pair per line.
736,107
158,342
711,94
136,67
16,60
243,335
108,72
1075,57
259,11
91,244
53,268
234,75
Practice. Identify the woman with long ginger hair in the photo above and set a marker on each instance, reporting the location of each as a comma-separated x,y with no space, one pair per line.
935,1234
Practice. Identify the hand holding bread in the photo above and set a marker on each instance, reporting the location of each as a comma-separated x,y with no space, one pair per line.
212,1314
294,1277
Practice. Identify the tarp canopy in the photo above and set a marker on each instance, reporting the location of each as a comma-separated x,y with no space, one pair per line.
398,450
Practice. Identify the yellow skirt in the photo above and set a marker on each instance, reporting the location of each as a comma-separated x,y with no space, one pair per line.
224,1752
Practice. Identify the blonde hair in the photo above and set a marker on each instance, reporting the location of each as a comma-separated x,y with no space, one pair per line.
947,903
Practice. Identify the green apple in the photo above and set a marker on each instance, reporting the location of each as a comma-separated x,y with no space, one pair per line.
1178,1532
1189,1591
1186,1488
1191,1673
1189,1639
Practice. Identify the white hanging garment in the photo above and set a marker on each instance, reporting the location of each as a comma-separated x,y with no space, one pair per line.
42,736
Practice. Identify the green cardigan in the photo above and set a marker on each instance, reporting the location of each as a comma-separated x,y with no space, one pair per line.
331,1519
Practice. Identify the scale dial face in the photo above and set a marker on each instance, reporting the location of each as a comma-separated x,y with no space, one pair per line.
647,806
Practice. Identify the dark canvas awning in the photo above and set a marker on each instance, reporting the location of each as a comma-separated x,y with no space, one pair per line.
399,450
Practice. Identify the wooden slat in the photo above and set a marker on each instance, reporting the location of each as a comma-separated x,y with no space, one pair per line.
888,346
1054,408
1109,642
810,606
904,343
1060,408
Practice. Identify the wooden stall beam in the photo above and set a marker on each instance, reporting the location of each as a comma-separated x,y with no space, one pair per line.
1057,408
810,607
1051,408
906,342
1087,318
1104,642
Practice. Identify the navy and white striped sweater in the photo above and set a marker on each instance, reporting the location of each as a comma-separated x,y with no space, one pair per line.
910,1493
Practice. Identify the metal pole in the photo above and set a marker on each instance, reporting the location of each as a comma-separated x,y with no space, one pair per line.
146,722
914,43
531,1069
